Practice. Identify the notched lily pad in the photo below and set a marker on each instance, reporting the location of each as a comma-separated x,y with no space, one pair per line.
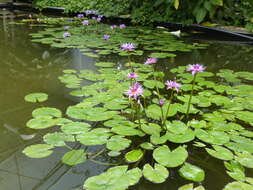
36,97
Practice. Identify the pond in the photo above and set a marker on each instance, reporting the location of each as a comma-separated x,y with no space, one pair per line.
28,67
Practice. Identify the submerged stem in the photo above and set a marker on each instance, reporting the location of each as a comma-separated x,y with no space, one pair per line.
98,153
189,102
103,163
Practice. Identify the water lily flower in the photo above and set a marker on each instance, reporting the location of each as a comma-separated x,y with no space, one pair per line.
66,34
94,18
128,47
80,15
135,91
132,75
106,37
99,19
100,16
113,26
88,12
85,22
150,61
196,68
66,27
122,26
172,85
161,102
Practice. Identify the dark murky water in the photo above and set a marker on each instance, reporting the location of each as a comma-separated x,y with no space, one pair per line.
32,67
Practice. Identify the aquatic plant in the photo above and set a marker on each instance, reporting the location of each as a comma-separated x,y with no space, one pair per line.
220,116
106,37
149,124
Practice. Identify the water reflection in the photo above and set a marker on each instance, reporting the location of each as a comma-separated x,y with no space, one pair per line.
32,67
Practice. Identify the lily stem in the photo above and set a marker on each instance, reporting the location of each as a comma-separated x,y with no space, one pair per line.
190,99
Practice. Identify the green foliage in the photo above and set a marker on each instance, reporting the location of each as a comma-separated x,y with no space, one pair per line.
211,112
230,12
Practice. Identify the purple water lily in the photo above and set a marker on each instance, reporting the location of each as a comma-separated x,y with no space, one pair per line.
80,15
132,75
128,47
135,91
196,68
173,85
99,19
85,22
150,61
122,26
66,35
106,37
90,12
113,26
161,102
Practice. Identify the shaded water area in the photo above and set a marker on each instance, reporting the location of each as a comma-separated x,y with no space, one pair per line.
32,67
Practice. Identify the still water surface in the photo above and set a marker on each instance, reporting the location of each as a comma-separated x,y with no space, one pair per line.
32,67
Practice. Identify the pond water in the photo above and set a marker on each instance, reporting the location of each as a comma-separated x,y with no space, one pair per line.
28,67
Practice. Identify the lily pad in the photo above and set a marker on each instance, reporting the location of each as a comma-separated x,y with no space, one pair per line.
220,152
116,178
134,155
96,136
158,174
74,157
192,173
245,159
36,97
164,156
57,139
118,143
46,111
38,150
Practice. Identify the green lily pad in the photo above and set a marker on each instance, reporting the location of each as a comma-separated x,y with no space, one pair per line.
158,174
235,170
57,139
127,131
220,152
116,178
104,64
41,123
212,137
151,129
75,128
245,159
184,137
36,97
46,111
192,173
147,146
74,157
164,156
118,143
238,185
96,136
38,150
134,155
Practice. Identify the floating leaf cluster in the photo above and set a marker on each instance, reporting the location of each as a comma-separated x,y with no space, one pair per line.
152,133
